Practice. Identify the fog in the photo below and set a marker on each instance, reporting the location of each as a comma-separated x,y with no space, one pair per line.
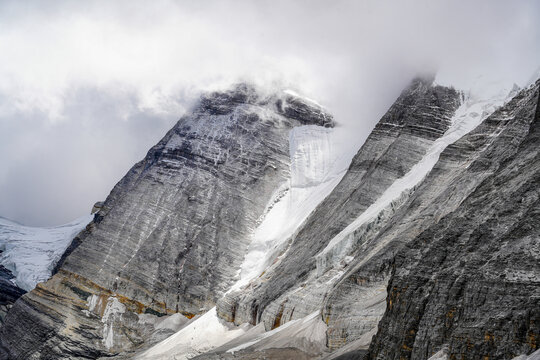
86,88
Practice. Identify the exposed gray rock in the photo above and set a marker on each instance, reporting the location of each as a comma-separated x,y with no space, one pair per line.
9,292
171,235
285,292
451,263
469,282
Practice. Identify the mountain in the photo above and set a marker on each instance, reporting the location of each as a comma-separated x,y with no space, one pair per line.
171,236
242,235
470,283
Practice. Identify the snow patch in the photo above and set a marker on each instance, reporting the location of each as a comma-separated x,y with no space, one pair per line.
314,172
440,355
295,94
31,253
113,312
92,302
307,334
200,336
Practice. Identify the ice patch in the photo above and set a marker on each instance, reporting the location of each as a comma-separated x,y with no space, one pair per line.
314,172
31,253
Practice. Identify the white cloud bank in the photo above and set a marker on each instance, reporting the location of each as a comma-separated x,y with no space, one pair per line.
87,87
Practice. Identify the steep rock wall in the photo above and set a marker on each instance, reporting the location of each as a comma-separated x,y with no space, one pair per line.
285,291
172,234
468,283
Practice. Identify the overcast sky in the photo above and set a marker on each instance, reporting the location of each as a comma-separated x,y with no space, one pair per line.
86,87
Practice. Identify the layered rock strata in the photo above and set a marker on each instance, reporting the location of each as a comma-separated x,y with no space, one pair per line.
288,290
171,236
468,284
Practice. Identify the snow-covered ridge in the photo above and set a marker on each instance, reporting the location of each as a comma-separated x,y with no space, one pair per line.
31,253
467,117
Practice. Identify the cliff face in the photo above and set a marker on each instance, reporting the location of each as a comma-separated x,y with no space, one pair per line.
172,234
469,283
291,288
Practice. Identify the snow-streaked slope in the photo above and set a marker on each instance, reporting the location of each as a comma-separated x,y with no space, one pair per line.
199,336
468,116
314,172
31,253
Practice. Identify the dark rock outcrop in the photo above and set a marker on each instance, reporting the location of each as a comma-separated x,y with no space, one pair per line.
9,292
470,281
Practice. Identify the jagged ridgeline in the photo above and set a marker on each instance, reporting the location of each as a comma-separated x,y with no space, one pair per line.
241,236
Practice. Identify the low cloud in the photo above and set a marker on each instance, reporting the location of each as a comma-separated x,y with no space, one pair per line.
87,88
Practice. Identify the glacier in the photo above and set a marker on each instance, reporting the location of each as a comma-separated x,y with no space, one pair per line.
31,253
316,168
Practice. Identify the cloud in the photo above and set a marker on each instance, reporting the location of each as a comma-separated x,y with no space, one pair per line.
86,88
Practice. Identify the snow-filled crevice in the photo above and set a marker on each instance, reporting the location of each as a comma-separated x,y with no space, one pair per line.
31,253
467,117
314,172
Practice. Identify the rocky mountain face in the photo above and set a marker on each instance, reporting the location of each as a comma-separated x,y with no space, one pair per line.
469,284
171,236
239,237
398,141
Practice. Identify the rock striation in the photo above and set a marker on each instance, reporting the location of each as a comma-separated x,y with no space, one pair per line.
288,289
172,234
425,248
468,284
